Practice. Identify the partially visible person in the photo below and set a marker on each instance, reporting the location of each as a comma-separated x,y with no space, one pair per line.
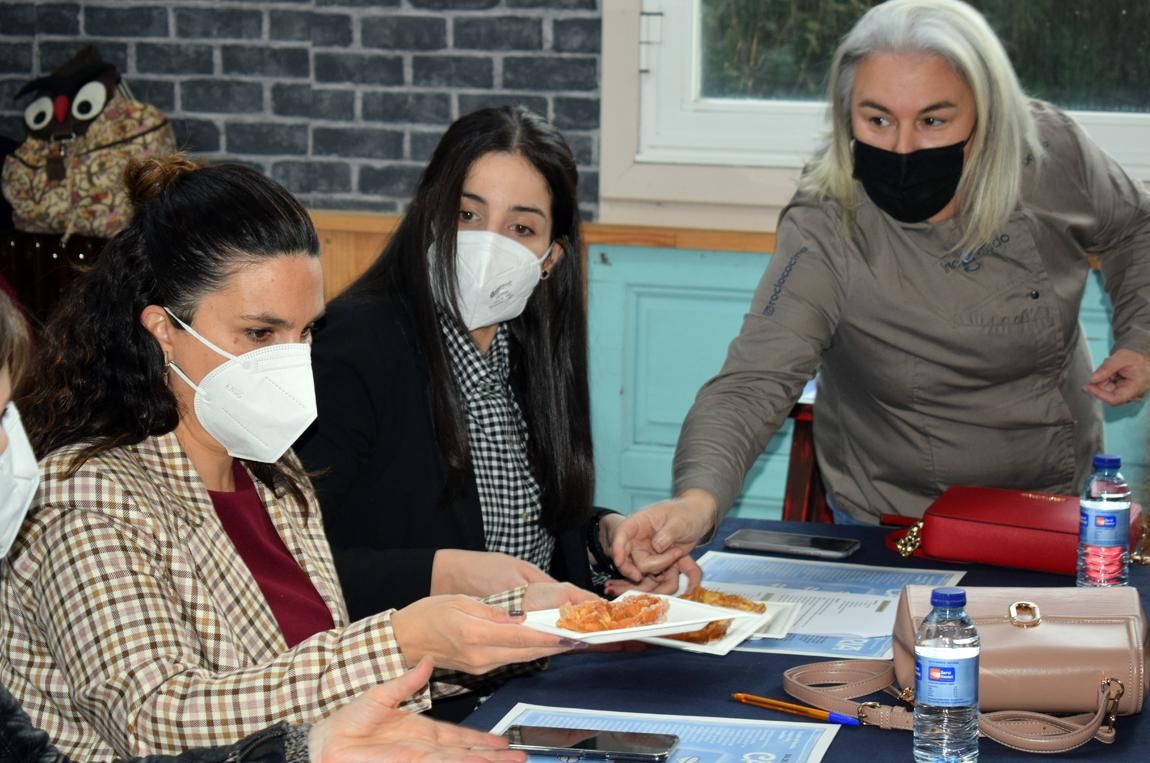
452,452
172,586
6,288
931,268
19,476
369,727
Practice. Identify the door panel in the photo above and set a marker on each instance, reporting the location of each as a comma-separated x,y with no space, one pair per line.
660,322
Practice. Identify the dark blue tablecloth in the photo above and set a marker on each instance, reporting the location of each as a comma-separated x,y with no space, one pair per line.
674,682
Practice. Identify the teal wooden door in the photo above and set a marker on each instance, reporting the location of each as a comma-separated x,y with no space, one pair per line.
660,323
1126,425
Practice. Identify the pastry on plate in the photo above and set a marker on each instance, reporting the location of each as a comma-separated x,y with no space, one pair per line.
716,629
624,612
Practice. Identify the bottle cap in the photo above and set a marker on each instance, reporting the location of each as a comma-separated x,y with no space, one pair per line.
1107,461
948,597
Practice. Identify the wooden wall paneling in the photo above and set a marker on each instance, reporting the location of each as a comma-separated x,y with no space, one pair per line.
350,241
338,257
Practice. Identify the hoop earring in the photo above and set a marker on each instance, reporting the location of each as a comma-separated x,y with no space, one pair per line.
545,275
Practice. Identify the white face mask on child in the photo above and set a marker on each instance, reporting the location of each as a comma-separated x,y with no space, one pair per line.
19,478
256,404
495,277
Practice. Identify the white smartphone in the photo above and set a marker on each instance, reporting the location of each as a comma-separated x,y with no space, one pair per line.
590,744
819,546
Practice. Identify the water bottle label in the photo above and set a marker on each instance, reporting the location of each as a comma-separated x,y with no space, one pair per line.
1104,523
946,677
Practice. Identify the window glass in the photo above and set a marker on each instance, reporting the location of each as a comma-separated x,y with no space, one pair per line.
1083,56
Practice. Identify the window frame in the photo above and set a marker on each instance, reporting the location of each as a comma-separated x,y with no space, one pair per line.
669,158
677,127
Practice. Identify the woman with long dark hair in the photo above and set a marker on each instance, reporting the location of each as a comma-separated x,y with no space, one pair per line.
452,452
172,587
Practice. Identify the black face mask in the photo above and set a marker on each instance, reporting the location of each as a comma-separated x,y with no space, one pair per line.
909,187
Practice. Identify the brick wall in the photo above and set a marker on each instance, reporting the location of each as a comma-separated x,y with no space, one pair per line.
341,100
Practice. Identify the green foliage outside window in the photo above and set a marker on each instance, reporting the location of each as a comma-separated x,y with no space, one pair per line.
1079,54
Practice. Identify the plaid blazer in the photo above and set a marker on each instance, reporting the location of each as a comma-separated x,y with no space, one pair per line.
130,625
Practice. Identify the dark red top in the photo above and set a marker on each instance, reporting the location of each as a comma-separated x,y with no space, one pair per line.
296,604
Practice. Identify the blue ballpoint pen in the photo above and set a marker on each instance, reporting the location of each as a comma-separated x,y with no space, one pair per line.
793,709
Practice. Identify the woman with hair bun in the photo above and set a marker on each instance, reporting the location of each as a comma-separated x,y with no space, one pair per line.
172,587
369,726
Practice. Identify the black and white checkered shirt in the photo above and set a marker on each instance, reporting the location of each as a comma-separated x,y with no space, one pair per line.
508,492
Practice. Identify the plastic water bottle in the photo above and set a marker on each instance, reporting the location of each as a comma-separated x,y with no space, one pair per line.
946,651
1104,526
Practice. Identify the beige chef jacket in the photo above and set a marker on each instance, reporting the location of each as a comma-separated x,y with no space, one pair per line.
937,368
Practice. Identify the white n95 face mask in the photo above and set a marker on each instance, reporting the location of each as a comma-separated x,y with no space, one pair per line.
495,277
19,478
256,404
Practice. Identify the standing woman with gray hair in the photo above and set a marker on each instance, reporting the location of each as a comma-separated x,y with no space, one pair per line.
930,268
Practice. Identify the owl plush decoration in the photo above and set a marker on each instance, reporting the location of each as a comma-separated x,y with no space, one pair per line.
83,129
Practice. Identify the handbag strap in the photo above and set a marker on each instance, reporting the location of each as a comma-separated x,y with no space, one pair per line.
834,685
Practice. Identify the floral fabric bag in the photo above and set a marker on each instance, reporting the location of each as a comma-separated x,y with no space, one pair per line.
84,127
90,199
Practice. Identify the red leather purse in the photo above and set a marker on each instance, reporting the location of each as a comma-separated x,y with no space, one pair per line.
1005,528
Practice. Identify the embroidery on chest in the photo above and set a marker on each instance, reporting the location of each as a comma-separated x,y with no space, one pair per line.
971,262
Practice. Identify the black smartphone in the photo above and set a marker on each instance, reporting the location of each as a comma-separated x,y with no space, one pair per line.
820,546
590,744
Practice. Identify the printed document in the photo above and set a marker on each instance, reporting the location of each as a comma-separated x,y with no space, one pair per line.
845,610
701,739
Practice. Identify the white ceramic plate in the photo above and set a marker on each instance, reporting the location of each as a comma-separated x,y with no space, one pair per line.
738,632
682,617
786,612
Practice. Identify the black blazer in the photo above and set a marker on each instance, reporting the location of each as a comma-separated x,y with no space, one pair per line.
377,466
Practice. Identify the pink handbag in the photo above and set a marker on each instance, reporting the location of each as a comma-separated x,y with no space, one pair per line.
1077,651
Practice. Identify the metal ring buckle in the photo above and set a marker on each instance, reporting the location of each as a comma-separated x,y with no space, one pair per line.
1112,701
1023,607
863,706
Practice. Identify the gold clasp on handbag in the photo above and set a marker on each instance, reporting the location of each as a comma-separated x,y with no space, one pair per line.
1028,608
1141,553
859,712
1112,700
907,544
